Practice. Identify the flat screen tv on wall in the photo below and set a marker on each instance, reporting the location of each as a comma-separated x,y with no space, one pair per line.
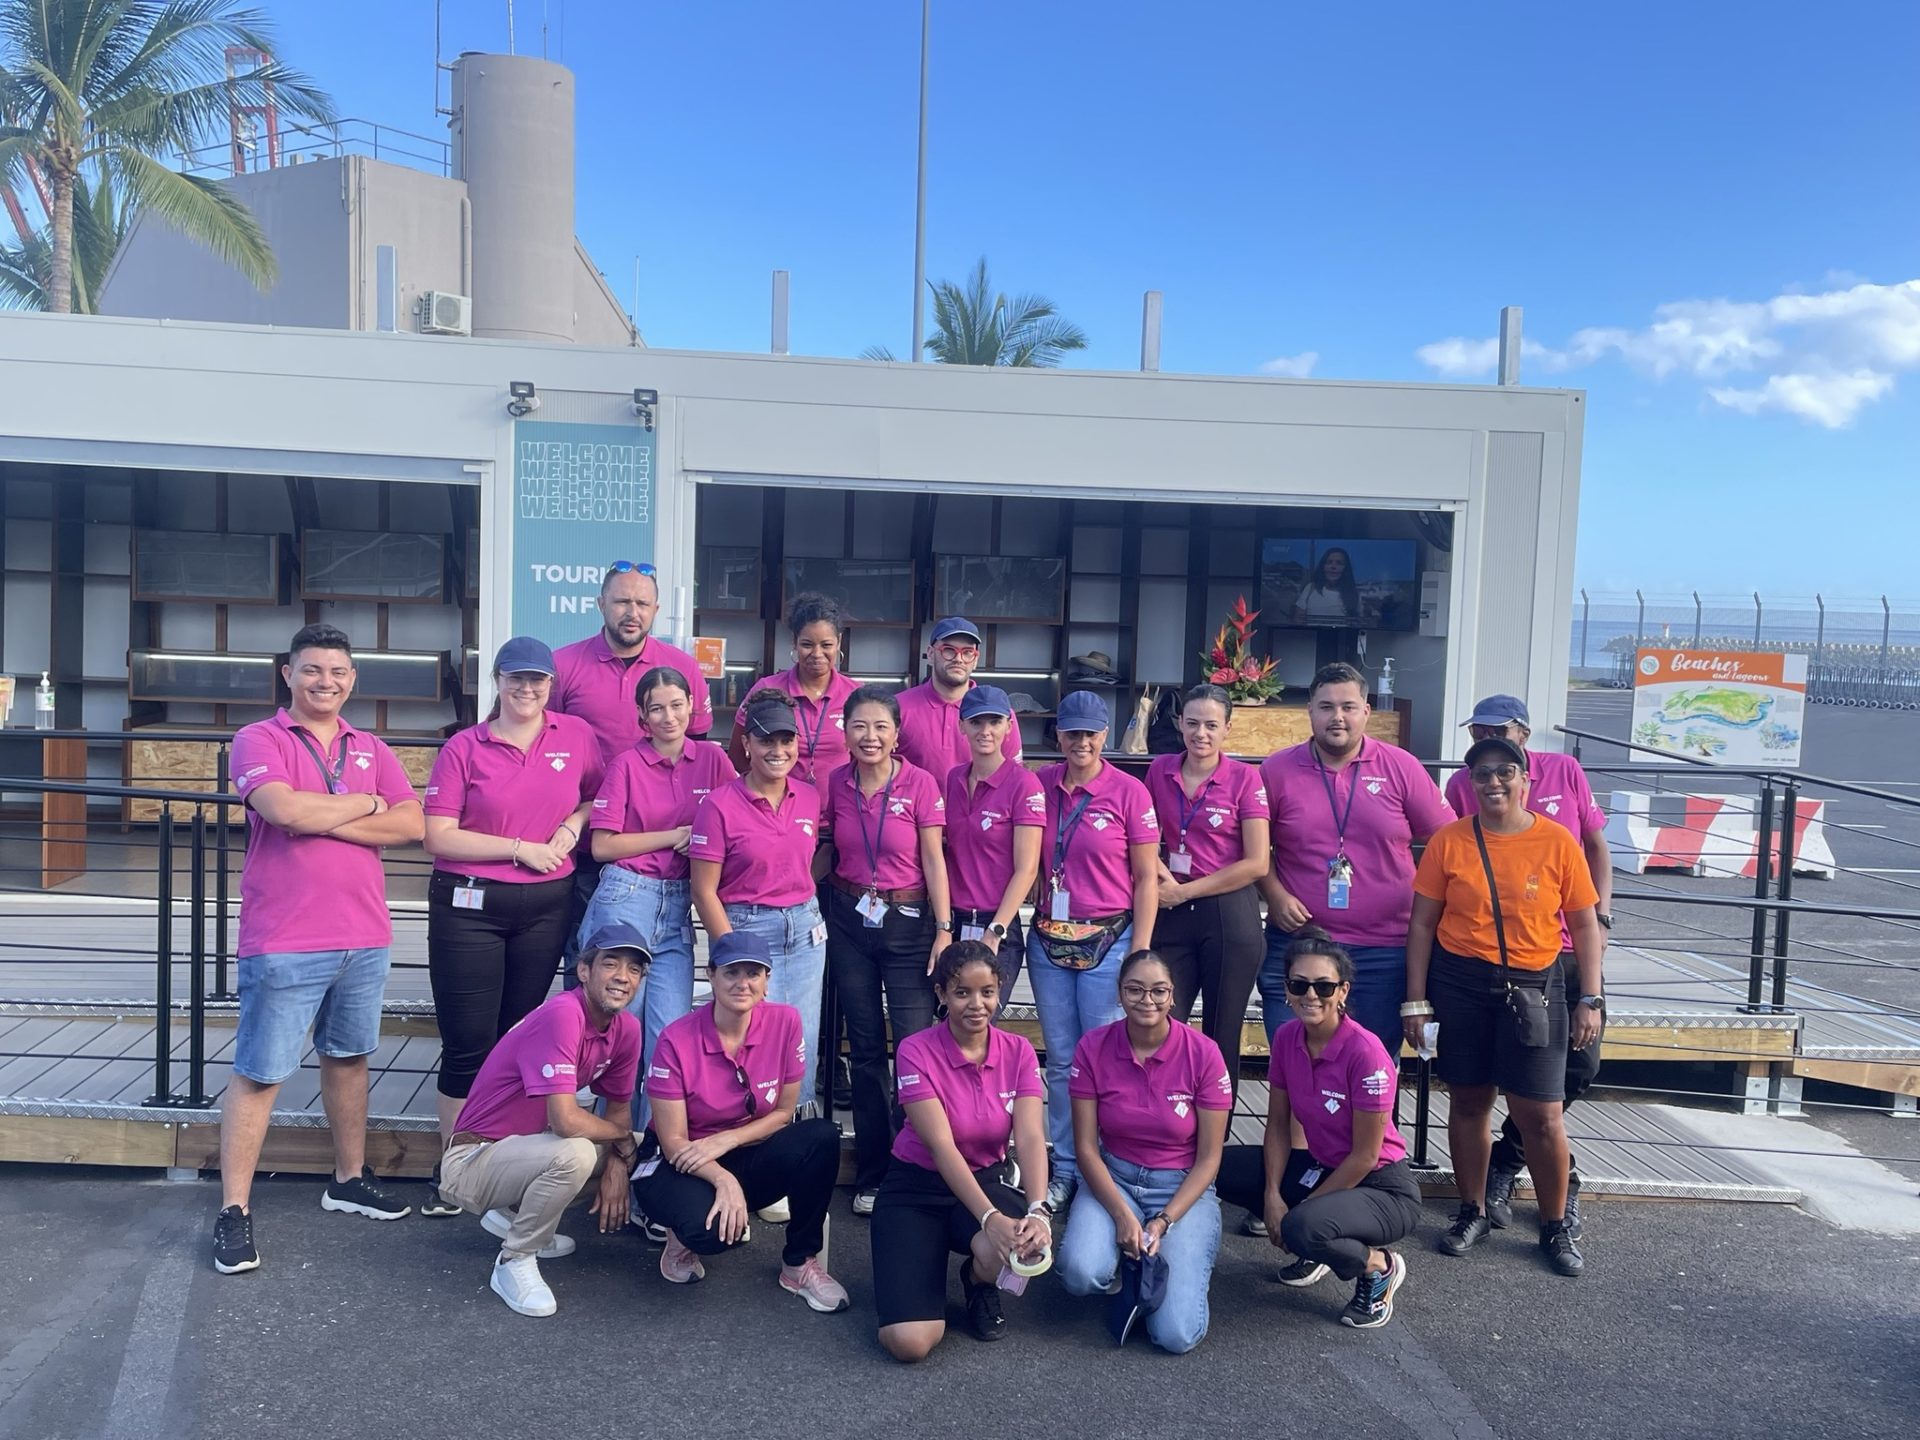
1340,584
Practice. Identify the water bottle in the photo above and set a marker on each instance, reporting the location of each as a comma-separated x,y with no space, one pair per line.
43,703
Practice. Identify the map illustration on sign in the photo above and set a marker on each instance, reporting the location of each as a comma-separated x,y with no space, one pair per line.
1728,707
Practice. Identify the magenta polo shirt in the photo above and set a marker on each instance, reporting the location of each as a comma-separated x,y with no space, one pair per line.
978,1099
493,788
553,1051
302,893
689,1064
1353,1073
930,733
823,723
645,791
1394,803
597,685
765,851
1558,789
1095,871
889,820
1207,827
980,830
1150,1111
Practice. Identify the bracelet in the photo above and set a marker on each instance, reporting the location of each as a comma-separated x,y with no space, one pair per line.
987,1214
373,807
513,855
569,829
1416,1007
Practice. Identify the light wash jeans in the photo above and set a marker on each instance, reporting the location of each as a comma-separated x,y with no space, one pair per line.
1071,1002
1089,1257
798,938
662,911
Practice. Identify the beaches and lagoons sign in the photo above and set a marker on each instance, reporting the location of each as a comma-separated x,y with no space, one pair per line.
584,496
1729,707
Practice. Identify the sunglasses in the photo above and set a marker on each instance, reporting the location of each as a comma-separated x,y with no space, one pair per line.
1508,772
753,1101
632,567
1325,989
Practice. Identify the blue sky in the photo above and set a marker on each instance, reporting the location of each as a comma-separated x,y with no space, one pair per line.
1708,211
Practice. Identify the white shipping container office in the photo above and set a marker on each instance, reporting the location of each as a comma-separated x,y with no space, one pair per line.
1153,490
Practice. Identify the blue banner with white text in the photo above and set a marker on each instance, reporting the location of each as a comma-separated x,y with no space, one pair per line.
584,496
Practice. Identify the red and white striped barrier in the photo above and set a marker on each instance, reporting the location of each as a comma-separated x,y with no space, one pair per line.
1709,834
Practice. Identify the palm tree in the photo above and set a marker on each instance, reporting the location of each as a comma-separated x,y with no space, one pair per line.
115,88
975,326
101,221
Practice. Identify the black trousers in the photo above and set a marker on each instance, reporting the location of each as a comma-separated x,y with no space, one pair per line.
1583,1068
800,1162
917,1223
1213,947
1335,1228
489,967
863,963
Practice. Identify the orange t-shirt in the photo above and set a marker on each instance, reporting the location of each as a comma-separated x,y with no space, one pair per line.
1541,872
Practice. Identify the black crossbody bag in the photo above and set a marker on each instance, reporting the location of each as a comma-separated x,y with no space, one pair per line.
1526,1004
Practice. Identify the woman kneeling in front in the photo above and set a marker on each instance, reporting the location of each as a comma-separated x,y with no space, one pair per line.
966,1087
724,1082
1150,1106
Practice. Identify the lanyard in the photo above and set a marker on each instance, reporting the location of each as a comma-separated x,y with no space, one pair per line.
1063,834
879,830
1191,808
330,777
1340,817
812,737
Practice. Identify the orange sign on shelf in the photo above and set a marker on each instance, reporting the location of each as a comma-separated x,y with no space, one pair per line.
710,652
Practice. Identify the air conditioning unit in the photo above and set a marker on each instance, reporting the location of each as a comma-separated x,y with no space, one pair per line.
442,313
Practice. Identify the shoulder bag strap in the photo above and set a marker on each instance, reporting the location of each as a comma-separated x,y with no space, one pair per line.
1493,894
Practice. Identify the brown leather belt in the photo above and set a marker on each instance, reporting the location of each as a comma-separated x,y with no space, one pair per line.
892,897
468,1137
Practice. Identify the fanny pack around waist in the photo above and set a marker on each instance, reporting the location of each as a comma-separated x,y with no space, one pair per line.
1080,944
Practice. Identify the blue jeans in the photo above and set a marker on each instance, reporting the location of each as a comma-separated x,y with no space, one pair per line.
1379,988
798,939
1089,1257
661,910
334,993
1072,1002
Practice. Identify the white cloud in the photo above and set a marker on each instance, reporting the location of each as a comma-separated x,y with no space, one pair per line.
1829,400
1293,367
1462,359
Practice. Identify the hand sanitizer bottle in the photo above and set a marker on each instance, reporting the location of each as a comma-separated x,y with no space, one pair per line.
43,703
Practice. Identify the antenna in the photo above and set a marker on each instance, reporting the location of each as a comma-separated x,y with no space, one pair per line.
510,49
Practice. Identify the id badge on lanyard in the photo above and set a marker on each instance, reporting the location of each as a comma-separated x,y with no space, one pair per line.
1064,831
1180,859
1339,883
872,909
1339,868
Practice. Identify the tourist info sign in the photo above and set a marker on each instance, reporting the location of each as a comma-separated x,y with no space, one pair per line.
1726,706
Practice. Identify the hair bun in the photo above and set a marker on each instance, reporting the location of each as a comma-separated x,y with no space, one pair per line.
1311,932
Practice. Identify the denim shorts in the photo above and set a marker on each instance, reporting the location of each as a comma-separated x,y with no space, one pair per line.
335,994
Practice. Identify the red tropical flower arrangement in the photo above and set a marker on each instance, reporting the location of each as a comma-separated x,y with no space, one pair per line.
1231,662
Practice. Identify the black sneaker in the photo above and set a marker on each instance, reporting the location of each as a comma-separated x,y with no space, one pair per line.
436,1204
1372,1303
233,1250
362,1195
984,1316
1469,1228
653,1230
1574,1227
1500,1185
1557,1242
1301,1273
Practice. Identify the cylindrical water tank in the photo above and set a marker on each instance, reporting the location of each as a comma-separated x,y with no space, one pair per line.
513,145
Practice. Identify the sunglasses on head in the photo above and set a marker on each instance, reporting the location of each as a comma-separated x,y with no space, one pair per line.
753,1101
632,567
1325,989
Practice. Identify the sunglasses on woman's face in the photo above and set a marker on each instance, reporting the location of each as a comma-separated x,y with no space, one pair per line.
1325,989
753,1101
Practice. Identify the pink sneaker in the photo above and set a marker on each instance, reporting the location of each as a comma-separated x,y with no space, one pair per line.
678,1264
812,1284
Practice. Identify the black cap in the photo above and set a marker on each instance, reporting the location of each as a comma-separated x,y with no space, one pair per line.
769,715
1495,745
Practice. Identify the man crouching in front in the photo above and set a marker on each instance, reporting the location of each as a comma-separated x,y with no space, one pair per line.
524,1146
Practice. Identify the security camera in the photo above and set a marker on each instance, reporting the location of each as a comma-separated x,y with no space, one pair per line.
524,400
644,402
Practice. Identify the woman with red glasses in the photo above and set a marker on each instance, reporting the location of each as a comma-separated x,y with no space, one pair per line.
814,686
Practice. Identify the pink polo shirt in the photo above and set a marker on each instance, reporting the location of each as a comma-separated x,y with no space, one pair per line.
765,852
1207,827
930,733
1558,789
977,1099
553,1051
823,723
1090,852
1353,1073
980,830
690,1064
1150,1110
1394,803
645,791
597,685
889,820
493,788
303,893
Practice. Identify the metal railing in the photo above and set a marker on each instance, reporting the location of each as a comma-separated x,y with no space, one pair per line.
302,142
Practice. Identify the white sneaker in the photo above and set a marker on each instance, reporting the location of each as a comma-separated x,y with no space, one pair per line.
517,1281
498,1223
863,1201
777,1213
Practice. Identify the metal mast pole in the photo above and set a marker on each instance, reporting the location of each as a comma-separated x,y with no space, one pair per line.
920,199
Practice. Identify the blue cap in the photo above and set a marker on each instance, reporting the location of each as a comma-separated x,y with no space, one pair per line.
954,625
524,653
738,947
1082,710
1499,710
618,935
1143,1287
985,700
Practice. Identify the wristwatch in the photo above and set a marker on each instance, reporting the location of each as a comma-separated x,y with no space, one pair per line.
1160,1215
1606,921
1595,1003
946,925
997,930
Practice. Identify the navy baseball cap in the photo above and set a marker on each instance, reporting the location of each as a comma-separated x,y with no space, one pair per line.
985,700
1082,710
771,714
1499,710
738,947
621,936
1143,1287
955,625
524,653
1495,745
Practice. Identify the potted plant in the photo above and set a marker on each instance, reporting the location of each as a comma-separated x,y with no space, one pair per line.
1232,664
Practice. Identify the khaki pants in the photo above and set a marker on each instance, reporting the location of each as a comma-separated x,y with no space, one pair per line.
532,1177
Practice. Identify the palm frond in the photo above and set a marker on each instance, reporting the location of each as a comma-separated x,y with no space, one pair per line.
23,270
205,211
976,325
876,352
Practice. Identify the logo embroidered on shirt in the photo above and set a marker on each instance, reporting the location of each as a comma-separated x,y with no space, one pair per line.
1036,804
897,807
1008,1096
559,762
906,1080
362,761
1099,822
806,826
986,822
1377,1084
659,1072
601,1069
1373,787
1553,807
1216,819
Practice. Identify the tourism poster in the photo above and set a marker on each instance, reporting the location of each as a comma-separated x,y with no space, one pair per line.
1727,707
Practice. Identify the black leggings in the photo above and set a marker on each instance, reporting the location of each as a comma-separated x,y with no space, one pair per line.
862,961
1213,947
489,967
1583,1068
800,1162
1335,1228
917,1223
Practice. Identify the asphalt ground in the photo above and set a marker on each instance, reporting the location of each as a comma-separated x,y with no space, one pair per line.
1696,1320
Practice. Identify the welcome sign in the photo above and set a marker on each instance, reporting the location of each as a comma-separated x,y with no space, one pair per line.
583,497
1727,707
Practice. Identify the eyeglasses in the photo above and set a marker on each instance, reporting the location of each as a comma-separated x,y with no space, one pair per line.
1508,772
1325,989
753,1101
633,567
1159,994
957,652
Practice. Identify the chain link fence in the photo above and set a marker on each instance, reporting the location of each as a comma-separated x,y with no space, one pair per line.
1860,651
